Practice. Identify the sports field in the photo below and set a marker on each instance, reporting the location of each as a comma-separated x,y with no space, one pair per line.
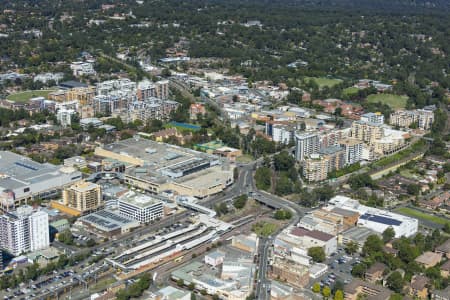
421,215
323,81
27,95
394,101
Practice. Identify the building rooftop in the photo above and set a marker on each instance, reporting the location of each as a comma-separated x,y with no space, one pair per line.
373,292
380,219
318,235
429,258
83,186
359,234
445,247
139,200
107,220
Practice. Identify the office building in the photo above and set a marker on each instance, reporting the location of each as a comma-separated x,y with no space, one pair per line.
83,196
24,179
370,291
140,207
305,145
24,230
81,68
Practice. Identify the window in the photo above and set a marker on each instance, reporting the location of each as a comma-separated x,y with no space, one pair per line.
26,190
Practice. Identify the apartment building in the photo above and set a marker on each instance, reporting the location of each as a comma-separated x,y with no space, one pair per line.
147,89
83,196
24,230
366,132
424,118
151,109
315,168
84,95
375,118
353,149
306,144
80,68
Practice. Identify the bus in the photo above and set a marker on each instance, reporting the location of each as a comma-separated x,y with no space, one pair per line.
178,259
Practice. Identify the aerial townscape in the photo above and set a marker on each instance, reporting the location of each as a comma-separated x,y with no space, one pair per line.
235,150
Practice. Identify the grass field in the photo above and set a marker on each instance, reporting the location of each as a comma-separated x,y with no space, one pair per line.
394,101
245,158
27,95
421,215
350,91
322,81
264,228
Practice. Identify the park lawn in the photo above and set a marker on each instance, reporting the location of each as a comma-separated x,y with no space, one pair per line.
245,158
421,215
27,95
323,81
350,91
264,228
394,101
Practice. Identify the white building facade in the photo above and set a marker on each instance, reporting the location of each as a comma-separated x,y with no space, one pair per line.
24,230
305,145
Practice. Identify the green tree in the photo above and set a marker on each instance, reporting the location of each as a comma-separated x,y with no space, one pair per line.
372,245
263,178
388,234
180,282
326,292
413,189
240,201
351,247
316,287
283,161
193,297
317,254
396,297
283,214
359,270
65,237
395,282
339,295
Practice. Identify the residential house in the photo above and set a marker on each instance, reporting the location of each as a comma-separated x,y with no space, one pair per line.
429,259
444,249
419,287
375,272
441,294
445,269
371,291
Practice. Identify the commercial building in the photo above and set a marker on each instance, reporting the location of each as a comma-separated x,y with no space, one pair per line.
290,272
357,235
140,207
83,196
107,223
24,230
377,219
23,179
170,293
305,145
328,221
156,167
247,243
214,258
294,242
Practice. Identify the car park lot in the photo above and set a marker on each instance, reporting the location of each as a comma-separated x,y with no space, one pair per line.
339,269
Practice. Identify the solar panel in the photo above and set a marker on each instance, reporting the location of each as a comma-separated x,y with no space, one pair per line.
380,219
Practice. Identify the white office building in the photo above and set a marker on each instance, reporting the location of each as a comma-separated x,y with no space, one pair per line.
306,144
24,230
140,207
